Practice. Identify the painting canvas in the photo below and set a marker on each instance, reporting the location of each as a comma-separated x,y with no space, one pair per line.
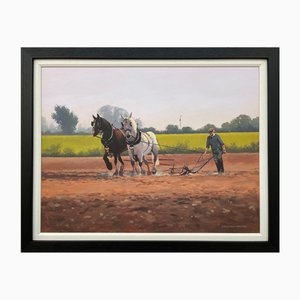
149,149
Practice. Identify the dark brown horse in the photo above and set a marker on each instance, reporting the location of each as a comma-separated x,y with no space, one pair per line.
113,140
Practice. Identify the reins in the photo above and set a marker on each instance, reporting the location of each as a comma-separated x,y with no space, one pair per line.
185,170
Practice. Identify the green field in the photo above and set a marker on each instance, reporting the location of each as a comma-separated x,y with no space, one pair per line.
85,145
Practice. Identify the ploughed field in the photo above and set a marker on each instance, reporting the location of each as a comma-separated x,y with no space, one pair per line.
80,195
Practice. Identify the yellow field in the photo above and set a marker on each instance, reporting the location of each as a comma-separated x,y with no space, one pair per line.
85,145
198,140
76,143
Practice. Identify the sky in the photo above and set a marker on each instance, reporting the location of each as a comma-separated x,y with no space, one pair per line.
156,95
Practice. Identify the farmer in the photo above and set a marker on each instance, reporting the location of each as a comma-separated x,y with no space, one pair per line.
218,148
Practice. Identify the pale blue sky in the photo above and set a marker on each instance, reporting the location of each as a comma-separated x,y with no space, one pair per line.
157,95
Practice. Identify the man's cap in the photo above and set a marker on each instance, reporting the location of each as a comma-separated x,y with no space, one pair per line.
211,129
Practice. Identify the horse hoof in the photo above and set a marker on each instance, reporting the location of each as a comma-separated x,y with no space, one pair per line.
109,166
154,172
115,174
121,171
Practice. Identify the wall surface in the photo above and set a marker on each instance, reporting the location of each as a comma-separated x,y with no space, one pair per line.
155,23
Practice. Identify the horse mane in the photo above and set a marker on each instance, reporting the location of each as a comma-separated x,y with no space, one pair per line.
105,122
132,120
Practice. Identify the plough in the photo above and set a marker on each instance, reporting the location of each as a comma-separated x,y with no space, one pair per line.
185,170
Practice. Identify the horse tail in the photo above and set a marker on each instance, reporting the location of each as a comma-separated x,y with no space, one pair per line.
155,148
157,160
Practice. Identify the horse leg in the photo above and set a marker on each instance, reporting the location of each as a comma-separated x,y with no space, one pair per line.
116,173
107,162
133,167
121,171
142,172
155,160
147,164
140,160
132,161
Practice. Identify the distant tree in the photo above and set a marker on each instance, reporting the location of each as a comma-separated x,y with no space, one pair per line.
241,123
206,127
52,128
65,119
172,128
255,123
83,130
139,122
113,114
225,126
187,129
152,129
44,125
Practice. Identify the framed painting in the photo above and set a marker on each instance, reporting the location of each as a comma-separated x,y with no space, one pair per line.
150,150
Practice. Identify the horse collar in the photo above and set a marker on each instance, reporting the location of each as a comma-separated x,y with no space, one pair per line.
107,142
136,141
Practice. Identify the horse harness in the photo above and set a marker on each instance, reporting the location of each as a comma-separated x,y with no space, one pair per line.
138,140
107,142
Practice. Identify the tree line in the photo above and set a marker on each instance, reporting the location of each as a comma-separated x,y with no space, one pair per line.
67,123
242,123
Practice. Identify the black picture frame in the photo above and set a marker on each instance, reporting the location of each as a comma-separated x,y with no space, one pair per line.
28,55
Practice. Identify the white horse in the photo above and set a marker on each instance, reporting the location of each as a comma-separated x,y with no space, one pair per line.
140,144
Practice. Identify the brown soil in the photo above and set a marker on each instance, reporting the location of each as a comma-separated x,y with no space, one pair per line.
80,195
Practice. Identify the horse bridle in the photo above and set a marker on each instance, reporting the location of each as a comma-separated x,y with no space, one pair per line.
129,130
109,140
93,124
